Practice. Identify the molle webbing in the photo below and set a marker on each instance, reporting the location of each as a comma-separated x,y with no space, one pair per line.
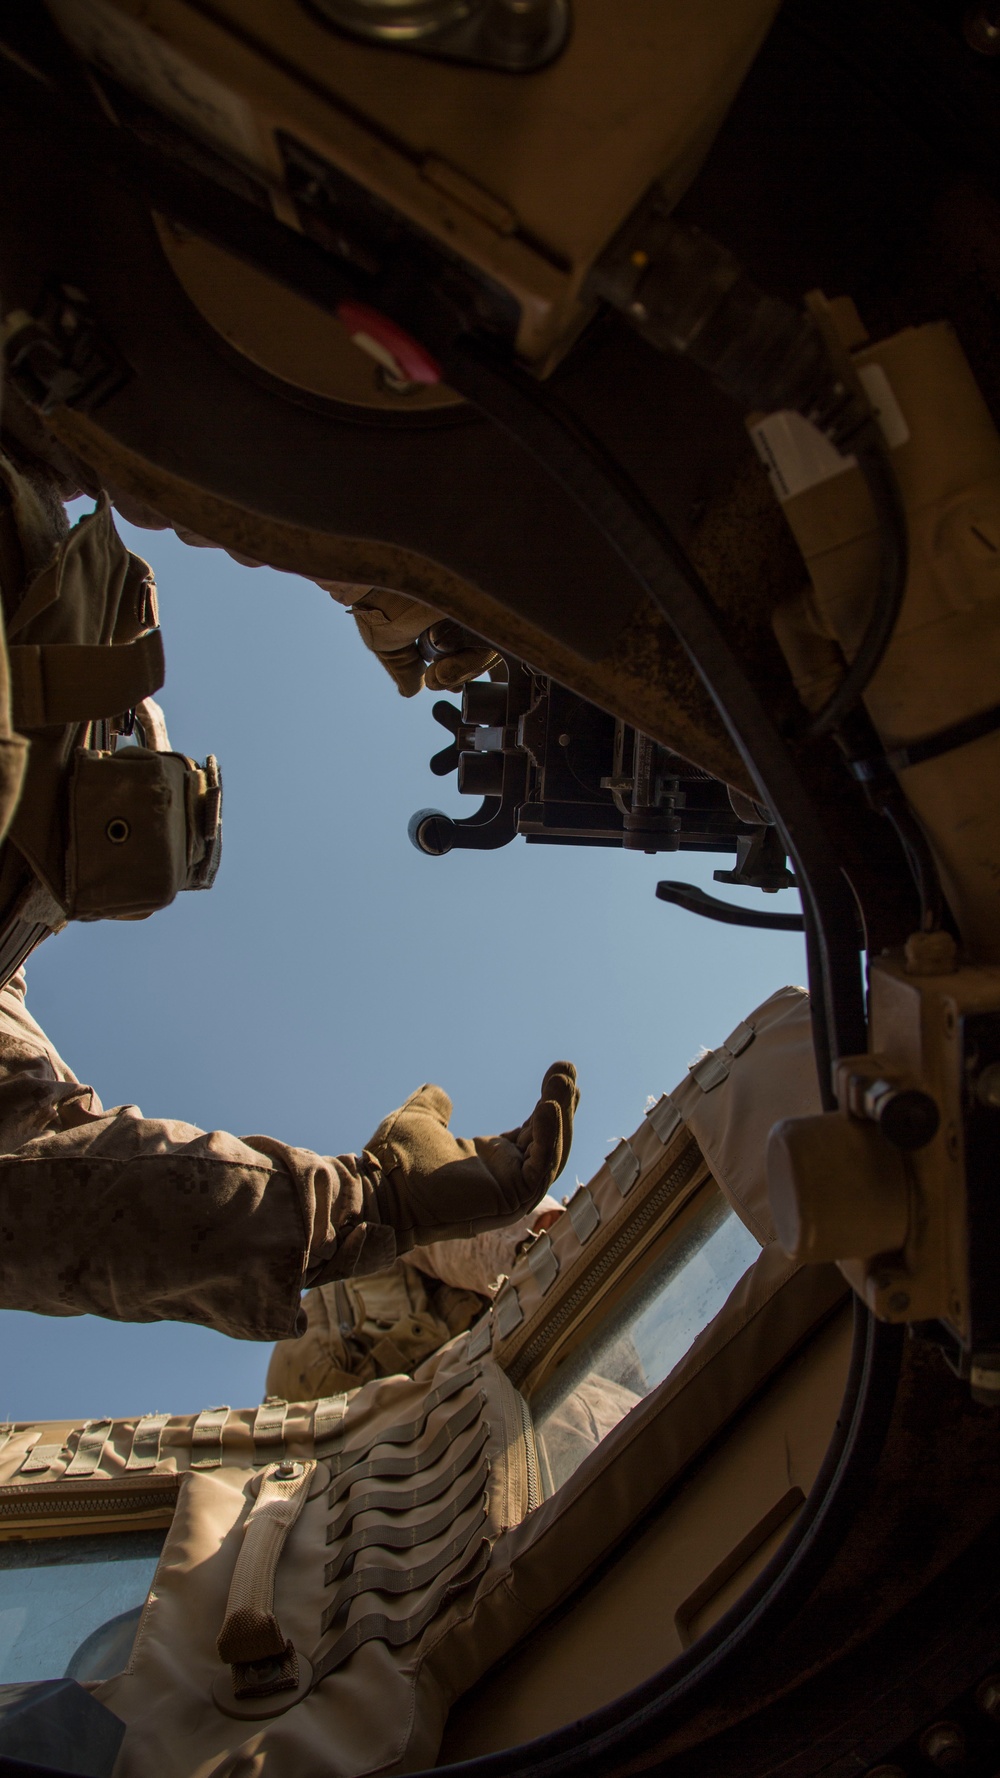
274,1600
386,1578
269,1430
55,683
624,1166
407,1537
145,1451
415,1460
543,1262
90,1448
206,1438
403,1435
394,1499
396,1632
417,1545
41,1457
99,832
328,1418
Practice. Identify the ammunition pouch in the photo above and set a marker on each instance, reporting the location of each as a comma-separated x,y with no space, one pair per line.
142,826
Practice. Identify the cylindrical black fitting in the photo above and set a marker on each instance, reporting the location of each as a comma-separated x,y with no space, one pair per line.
480,774
484,701
685,293
906,1116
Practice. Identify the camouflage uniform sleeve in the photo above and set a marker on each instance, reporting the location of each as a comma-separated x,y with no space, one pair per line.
476,1262
146,1219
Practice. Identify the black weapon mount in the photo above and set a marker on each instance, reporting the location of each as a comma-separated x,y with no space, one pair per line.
551,766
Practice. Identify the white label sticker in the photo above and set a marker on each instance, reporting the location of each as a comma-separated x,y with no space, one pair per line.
142,61
888,412
797,456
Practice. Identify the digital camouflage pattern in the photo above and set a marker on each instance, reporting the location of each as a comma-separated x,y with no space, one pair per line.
145,1219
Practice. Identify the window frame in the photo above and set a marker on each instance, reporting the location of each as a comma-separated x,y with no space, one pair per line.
647,1253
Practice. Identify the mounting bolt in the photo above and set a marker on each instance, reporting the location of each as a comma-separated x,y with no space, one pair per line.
944,1743
286,1471
981,28
906,1116
988,1695
931,953
988,1086
984,1378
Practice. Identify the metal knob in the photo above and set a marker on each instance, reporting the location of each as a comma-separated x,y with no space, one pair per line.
944,1744
981,28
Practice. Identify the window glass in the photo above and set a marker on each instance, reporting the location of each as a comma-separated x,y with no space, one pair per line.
71,1605
641,1339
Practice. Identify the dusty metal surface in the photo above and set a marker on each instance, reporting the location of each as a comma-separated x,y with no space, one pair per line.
646,678
526,177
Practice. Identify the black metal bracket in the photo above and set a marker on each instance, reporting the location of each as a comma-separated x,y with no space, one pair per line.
695,901
560,771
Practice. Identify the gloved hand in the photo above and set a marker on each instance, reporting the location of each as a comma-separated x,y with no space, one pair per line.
461,656
389,624
436,1187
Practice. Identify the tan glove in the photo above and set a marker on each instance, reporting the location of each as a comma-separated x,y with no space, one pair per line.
389,624
436,1187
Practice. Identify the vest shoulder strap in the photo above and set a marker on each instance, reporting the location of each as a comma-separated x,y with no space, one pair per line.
55,683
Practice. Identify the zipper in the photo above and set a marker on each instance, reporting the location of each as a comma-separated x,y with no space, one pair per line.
66,1502
647,1212
518,1434
530,1454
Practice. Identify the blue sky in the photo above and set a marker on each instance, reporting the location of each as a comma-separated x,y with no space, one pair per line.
333,968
